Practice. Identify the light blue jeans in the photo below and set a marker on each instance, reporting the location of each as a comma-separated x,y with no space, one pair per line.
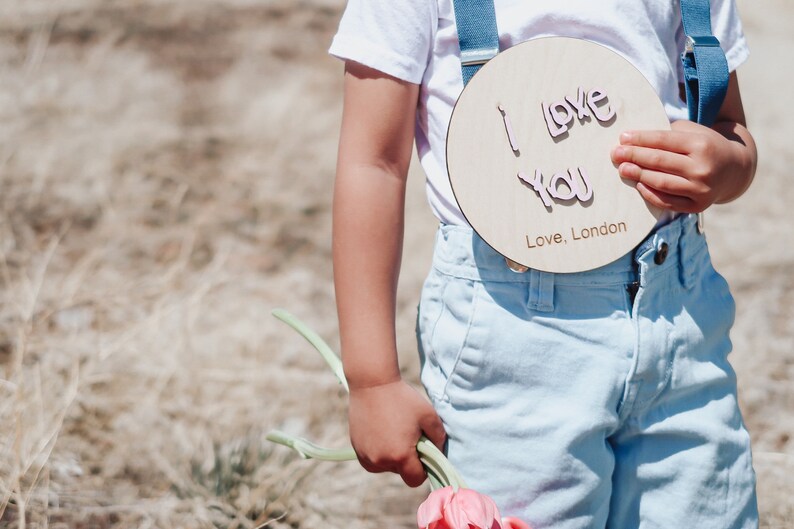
595,399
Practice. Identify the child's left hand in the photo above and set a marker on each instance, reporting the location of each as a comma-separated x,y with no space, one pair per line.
688,168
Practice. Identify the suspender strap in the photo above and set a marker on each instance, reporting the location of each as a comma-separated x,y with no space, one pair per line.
705,66
477,34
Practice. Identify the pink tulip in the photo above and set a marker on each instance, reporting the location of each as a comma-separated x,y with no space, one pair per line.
464,509
509,522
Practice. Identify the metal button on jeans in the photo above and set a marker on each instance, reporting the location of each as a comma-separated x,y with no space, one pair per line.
661,253
516,267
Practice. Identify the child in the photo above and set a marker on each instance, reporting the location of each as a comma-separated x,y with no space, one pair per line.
593,399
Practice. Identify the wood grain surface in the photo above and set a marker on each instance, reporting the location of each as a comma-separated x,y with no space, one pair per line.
516,95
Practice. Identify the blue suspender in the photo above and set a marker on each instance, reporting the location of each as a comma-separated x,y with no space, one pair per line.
705,66
477,34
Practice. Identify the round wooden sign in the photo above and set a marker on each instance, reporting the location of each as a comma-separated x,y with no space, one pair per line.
528,154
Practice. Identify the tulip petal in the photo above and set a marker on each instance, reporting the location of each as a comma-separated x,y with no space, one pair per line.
492,511
454,515
462,509
470,508
432,509
473,508
510,522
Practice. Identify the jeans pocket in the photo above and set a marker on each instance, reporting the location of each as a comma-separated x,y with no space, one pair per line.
445,317
718,285
712,310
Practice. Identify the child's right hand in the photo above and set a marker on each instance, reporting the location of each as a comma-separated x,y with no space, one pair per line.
386,421
387,417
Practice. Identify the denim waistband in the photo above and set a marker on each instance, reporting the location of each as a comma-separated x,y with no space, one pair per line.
460,252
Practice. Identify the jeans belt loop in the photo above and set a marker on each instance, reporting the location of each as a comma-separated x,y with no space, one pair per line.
686,268
541,290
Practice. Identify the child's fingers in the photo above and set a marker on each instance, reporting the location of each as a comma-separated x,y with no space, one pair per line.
659,180
412,471
651,158
676,141
664,200
369,464
433,428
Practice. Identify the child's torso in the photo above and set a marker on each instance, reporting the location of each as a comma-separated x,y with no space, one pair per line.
647,33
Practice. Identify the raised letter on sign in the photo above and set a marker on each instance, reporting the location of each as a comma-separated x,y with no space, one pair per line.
554,130
509,129
564,117
537,185
575,190
579,104
554,189
602,114
587,194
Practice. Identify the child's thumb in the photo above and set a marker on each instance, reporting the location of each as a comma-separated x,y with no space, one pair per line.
433,429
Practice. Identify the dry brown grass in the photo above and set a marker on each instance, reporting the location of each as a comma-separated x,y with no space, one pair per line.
165,180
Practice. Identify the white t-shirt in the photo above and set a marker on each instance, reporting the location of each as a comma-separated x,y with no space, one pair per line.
417,41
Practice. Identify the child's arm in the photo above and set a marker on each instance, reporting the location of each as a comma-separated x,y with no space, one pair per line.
386,415
692,167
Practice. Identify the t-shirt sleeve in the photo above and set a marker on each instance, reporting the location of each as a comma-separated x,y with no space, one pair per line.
392,36
727,27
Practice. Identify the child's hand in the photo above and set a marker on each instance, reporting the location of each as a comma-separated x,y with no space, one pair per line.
386,421
688,168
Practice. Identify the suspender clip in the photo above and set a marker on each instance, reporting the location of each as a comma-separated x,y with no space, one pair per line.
477,56
704,41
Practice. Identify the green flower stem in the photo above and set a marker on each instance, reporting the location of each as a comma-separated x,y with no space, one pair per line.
434,471
433,464
435,483
309,450
439,470
318,343
429,453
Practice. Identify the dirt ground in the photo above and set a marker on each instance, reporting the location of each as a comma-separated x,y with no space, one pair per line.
166,169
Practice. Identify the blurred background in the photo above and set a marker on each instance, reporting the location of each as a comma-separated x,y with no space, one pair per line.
166,169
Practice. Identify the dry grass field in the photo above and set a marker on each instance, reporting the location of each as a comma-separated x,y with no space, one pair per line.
166,169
